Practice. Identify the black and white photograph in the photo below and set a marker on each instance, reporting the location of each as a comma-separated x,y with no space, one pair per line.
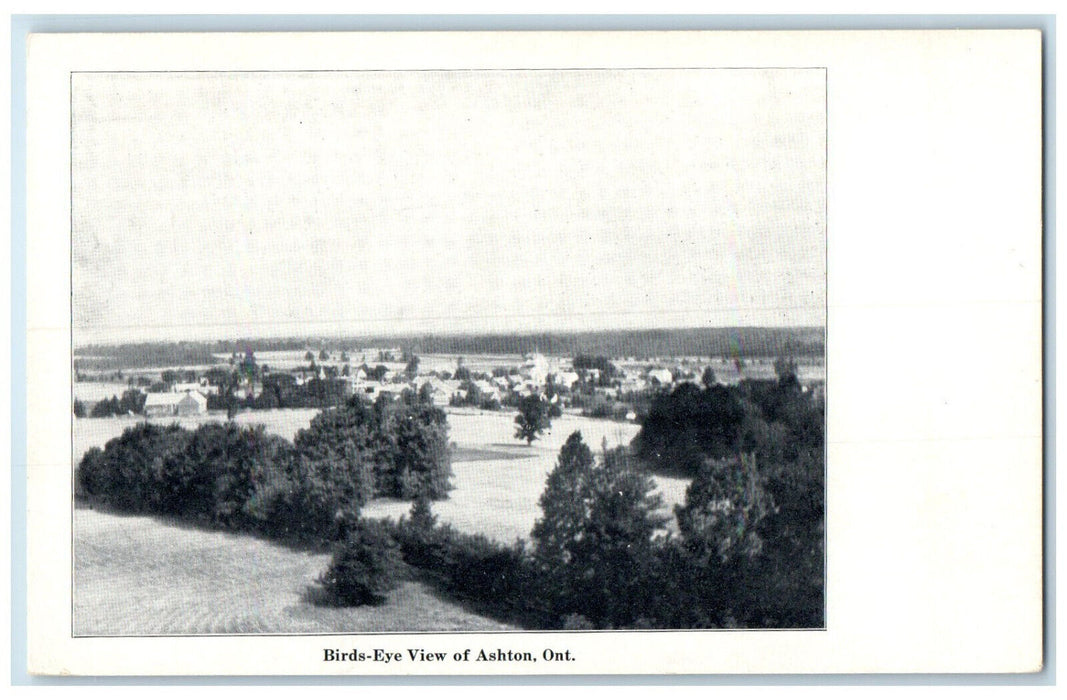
533,353
467,350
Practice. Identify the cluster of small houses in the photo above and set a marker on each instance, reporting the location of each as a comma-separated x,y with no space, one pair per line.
534,375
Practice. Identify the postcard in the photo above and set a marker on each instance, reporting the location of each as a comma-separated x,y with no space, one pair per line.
534,353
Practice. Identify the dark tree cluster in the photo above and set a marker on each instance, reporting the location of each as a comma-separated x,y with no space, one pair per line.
132,401
281,390
394,448
245,479
606,370
774,419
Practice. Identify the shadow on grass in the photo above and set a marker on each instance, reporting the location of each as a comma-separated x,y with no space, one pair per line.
498,611
291,542
474,454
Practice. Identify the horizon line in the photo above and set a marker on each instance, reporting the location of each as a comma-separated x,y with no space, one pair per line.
443,334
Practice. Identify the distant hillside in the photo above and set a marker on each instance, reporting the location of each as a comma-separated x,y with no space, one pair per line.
720,342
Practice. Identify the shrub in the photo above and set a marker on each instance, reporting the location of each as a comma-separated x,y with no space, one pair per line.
365,566
473,567
90,476
422,542
484,570
129,473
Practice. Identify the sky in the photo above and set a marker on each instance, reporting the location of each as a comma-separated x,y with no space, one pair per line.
222,205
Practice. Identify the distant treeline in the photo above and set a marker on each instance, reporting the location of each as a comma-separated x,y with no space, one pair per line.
137,355
704,342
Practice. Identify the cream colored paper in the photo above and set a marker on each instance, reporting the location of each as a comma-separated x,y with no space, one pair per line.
933,354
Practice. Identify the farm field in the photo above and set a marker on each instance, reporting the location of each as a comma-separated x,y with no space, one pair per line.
139,575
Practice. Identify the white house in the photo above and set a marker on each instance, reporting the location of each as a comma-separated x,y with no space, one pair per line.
567,379
661,376
487,389
441,390
173,403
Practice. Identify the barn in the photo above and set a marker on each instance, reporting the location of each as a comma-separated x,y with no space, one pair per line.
190,403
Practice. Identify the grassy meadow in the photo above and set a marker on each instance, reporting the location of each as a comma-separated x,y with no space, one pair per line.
138,575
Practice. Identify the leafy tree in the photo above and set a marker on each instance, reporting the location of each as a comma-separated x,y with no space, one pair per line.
533,418
323,355
724,509
412,367
365,566
426,394
221,377
132,401
564,505
394,448
216,475
169,376
308,356
339,446
462,374
785,368
106,407
130,473
598,543
416,438
689,424
599,362
708,379
784,585
79,409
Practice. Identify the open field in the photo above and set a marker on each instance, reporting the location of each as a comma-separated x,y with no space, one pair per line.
142,576
497,486
92,392
95,432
